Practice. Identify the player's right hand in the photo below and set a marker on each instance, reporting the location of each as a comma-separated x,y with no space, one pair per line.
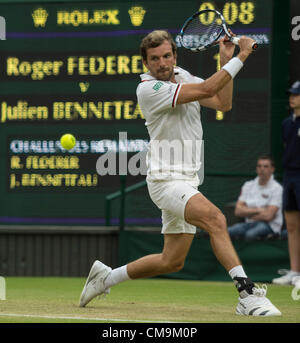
245,44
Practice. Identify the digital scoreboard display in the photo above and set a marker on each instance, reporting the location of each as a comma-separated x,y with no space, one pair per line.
73,67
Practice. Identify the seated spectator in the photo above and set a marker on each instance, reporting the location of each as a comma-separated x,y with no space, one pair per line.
259,204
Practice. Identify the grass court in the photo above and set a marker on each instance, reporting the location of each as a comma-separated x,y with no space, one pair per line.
55,300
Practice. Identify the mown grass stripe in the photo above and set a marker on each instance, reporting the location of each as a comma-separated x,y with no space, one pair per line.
80,318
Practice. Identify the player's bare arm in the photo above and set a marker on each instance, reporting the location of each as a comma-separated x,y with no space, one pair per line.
224,97
206,92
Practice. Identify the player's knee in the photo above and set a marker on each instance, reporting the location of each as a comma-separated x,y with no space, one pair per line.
173,266
178,266
216,223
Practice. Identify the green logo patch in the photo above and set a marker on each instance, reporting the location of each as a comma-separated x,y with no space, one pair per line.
157,86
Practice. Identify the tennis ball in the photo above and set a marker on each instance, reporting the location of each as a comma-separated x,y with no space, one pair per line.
67,141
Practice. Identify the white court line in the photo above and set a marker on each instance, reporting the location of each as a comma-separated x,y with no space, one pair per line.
81,318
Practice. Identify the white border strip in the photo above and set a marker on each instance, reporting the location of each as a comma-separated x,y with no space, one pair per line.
81,318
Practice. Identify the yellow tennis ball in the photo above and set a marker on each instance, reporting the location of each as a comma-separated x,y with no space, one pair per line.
67,141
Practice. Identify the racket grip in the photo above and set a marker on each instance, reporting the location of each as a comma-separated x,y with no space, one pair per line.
235,40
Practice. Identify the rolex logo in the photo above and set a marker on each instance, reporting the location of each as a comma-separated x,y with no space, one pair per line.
136,15
39,17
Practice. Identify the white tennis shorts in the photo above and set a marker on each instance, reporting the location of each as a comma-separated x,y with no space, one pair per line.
171,197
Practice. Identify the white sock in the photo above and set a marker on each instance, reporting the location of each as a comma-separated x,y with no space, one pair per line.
237,271
116,276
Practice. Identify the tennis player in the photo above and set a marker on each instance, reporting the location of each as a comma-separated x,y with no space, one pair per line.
170,99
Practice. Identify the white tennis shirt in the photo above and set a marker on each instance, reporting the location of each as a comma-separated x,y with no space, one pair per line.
270,194
174,151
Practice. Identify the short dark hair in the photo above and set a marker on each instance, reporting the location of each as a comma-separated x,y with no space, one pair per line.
155,39
267,157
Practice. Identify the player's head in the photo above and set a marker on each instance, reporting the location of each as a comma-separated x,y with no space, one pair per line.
294,92
155,39
158,51
265,167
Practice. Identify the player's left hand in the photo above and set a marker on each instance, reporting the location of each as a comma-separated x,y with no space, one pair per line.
226,48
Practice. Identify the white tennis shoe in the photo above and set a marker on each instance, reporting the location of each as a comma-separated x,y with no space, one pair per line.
256,304
286,278
94,285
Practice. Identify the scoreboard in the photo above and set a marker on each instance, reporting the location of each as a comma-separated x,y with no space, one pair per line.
73,67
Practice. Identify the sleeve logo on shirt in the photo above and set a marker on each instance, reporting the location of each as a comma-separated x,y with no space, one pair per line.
157,86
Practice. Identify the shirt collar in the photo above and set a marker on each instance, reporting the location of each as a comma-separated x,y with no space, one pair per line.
267,184
148,77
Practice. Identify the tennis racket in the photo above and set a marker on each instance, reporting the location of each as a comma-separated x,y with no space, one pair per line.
196,35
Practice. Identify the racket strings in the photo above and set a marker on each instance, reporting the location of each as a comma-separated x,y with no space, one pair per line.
197,35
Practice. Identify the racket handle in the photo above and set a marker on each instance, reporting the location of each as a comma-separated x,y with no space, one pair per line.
235,40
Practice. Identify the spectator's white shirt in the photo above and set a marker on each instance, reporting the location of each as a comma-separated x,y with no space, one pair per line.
270,194
175,130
